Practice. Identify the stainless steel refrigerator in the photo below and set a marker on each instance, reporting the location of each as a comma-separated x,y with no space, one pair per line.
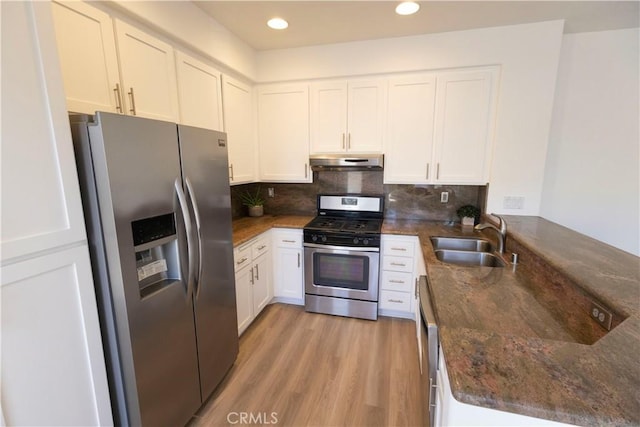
158,213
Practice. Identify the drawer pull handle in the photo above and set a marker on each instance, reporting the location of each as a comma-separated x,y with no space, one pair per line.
397,301
261,247
399,249
288,241
396,281
397,264
241,261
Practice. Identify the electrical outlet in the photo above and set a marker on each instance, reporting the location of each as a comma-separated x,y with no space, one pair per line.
444,197
271,192
601,315
513,202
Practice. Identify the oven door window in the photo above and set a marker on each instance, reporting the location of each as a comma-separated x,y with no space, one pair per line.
341,271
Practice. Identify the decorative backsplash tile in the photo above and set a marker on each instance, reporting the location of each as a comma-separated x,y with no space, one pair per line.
401,201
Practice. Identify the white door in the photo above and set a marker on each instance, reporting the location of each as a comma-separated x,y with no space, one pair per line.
366,116
328,117
199,93
261,283
409,144
463,128
244,297
148,74
41,206
87,50
283,132
53,370
289,279
239,125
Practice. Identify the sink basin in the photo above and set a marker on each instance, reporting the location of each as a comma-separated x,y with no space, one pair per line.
461,244
469,258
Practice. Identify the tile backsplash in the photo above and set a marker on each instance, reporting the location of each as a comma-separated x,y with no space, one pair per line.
401,201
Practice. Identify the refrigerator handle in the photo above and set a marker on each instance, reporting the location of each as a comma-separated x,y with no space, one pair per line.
187,225
196,214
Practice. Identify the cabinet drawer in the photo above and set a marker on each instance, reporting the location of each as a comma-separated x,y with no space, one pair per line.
261,246
392,300
394,263
396,281
287,239
241,257
398,248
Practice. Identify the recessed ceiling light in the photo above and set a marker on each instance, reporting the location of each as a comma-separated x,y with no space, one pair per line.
407,8
277,23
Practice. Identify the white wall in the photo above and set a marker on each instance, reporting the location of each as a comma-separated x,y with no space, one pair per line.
592,181
528,55
184,21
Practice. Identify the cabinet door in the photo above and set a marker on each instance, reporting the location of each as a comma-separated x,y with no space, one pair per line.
244,298
463,127
409,144
199,92
87,50
148,74
288,277
366,116
41,206
328,117
283,132
238,123
53,370
261,283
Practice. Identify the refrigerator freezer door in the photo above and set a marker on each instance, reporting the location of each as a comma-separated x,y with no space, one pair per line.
136,162
204,166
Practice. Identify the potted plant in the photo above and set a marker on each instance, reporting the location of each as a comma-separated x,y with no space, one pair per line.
469,214
255,202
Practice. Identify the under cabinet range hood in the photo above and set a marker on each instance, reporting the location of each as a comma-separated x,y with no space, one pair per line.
346,162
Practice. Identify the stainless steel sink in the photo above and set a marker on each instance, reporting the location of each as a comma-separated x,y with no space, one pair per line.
461,244
469,258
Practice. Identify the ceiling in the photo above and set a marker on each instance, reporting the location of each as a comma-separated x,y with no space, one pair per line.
323,22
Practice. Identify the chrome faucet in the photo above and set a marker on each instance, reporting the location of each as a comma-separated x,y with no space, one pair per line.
502,231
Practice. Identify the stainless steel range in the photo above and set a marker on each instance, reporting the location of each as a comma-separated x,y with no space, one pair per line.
342,256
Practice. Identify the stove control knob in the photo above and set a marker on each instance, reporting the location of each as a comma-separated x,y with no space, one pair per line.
355,240
314,238
365,241
324,239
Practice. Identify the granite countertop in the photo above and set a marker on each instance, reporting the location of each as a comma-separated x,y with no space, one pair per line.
506,348
245,229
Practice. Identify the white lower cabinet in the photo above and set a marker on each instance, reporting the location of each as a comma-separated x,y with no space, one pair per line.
288,266
253,279
398,276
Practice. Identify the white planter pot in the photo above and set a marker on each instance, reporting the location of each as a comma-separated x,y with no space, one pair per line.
468,221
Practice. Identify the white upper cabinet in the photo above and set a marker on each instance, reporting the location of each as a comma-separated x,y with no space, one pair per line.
87,50
409,144
239,125
148,74
199,91
41,206
347,116
463,127
440,128
283,133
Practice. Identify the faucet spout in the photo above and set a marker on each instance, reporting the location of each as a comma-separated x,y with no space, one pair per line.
501,230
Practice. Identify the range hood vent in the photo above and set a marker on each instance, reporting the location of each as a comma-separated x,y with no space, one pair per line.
346,162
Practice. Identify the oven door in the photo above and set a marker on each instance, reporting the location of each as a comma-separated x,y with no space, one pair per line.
343,272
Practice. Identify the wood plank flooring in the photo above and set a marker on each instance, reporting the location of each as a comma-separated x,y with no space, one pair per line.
304,369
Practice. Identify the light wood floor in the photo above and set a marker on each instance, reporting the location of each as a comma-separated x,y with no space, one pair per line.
320,370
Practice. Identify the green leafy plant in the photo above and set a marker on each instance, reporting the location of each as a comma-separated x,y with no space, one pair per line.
250,199
468,211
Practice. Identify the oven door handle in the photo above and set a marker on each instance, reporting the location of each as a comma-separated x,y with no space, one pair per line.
341,248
